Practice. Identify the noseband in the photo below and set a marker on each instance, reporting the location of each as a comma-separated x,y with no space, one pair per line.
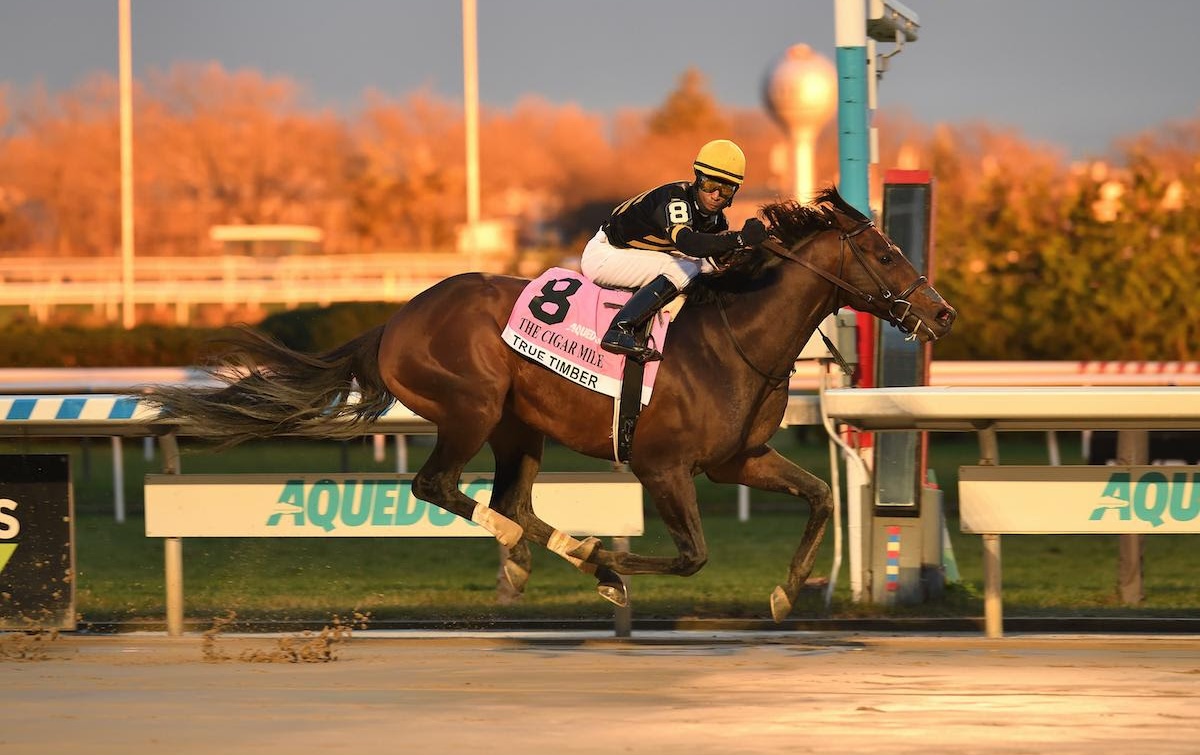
899,308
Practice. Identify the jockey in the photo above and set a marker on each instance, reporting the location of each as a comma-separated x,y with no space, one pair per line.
660,240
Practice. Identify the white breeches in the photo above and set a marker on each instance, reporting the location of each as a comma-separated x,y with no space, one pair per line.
614,267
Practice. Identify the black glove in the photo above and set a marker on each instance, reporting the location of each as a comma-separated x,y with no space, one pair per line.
753,233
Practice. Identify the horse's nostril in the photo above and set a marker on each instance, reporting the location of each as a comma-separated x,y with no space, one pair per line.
946,316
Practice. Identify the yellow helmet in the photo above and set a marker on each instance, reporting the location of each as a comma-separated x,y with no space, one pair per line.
723,160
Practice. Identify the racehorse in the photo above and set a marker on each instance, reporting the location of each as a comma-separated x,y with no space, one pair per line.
720,395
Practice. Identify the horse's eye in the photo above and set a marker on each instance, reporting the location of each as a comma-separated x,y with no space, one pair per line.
885,259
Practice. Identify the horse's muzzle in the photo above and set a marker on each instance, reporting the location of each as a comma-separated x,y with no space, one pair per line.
943,321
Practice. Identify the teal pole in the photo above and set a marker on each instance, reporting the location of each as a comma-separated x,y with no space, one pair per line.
854,152
850,31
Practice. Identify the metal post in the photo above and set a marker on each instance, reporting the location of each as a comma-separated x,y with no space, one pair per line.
623,615
173,558
401,453
850,33
118,465
993,607
835,483
471,116
989,447
173,547
743,503
170,449
1133,449
125,64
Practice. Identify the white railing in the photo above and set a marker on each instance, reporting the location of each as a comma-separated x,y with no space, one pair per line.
982,410
42,284
808,377
159,269
1079,373
989,410
171,499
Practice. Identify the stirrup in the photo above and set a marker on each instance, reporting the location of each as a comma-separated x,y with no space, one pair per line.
626,344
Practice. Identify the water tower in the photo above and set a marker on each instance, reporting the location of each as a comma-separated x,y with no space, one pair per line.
800,92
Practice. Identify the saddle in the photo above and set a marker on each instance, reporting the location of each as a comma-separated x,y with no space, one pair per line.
558,320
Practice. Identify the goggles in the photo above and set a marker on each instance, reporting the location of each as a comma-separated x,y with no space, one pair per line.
708,184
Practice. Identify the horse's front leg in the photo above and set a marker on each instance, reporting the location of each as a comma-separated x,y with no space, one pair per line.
764,469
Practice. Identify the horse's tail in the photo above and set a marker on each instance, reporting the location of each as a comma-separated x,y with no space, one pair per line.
272,390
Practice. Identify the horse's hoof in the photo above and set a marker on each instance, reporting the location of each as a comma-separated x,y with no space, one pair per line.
780,605
585,548
615,594
611,587
506,595
515,575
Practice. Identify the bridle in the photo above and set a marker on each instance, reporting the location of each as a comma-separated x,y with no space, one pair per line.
899,308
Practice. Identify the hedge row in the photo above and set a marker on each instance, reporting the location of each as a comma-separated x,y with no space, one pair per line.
309,330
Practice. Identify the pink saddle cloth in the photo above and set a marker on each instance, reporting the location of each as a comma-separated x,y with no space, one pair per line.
558,321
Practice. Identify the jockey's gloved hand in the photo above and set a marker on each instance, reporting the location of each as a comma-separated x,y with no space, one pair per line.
753,233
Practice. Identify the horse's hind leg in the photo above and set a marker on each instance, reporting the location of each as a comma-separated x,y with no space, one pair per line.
437,482
764,469
518,451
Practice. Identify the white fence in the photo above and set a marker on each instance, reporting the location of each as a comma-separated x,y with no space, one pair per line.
568,500
983,410
179,283
809,375
178,506
989,410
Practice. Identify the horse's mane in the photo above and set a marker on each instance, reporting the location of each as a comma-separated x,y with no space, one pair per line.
791,222
788,221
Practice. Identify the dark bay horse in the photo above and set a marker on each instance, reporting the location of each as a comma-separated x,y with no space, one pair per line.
720,394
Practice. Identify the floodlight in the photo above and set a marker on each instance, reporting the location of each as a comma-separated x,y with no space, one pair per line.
892,21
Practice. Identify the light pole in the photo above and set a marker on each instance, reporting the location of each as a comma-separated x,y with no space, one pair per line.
125,65
471,115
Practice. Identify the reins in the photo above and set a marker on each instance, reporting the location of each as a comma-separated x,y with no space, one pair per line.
745,358
898,308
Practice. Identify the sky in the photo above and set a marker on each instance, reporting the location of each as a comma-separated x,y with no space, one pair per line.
1077,74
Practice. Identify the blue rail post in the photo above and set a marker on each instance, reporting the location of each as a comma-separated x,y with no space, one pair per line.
854,154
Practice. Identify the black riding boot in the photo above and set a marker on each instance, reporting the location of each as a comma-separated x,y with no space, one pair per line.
622,337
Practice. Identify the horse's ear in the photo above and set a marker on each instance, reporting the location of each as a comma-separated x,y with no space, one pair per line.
838,201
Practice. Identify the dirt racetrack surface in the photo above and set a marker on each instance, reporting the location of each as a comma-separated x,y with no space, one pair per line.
564,693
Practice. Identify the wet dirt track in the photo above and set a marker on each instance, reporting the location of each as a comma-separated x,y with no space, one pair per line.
659,693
